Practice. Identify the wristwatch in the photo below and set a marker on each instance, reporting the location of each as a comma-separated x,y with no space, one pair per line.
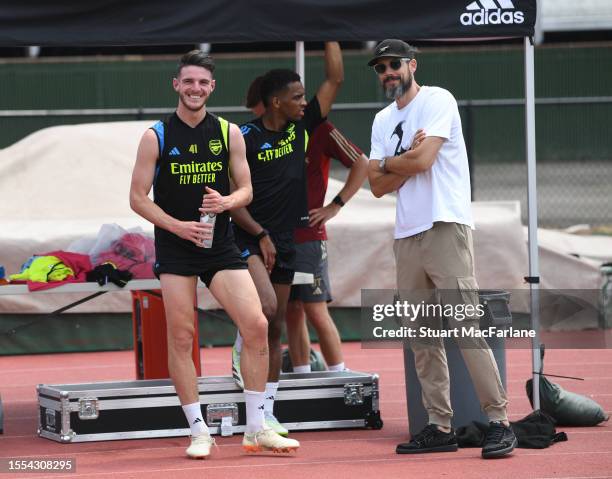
338,201
262,234
381,164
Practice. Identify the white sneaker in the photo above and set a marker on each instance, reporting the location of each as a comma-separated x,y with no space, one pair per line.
268,440
200,446
273,424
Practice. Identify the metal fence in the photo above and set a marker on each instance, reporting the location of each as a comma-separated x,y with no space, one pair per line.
574,157
574,148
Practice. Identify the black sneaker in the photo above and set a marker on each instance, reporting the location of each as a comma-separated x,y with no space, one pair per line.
430,439
500,440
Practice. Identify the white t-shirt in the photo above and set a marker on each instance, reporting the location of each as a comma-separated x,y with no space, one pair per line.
441,193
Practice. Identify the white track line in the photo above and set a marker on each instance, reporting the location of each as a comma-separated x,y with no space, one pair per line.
575,477
292,463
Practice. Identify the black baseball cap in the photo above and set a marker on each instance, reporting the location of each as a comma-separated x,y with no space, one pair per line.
392,48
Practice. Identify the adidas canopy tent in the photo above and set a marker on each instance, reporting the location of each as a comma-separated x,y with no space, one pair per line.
159,22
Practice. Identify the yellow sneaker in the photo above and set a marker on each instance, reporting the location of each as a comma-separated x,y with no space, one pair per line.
273,424
268,440
200,446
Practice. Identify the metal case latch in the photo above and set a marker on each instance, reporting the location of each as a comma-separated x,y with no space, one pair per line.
50,418
224,415
88,408
353,394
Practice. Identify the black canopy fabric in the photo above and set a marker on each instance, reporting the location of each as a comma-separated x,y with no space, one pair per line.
155,22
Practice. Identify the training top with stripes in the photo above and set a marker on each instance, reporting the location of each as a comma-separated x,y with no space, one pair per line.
277,160
191,159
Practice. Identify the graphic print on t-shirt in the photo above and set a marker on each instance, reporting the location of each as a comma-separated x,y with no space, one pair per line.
194,173
399,131
186,170
283,147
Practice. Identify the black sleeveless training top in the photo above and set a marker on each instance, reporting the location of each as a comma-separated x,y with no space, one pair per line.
190,159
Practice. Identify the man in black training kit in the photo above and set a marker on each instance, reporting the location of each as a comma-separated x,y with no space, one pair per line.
187,159
276,151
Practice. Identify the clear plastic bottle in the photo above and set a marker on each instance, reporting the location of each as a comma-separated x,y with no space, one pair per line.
209,218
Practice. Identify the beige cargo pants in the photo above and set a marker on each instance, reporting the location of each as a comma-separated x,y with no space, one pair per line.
442,257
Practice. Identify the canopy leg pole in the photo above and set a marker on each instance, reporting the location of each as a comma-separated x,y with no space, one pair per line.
532,207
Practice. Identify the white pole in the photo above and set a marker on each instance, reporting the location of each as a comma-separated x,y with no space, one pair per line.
532,207
538,32
300,64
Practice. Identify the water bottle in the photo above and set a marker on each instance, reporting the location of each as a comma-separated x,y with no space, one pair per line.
209,218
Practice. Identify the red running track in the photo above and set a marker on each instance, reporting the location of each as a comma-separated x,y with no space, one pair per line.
337,454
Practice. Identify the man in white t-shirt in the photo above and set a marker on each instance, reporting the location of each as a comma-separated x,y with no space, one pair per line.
433,238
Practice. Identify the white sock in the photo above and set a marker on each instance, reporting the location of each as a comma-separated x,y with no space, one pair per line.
193,413
271,389
238,342
336,367
254,410
302,369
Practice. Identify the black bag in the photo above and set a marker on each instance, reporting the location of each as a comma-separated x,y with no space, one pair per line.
565,407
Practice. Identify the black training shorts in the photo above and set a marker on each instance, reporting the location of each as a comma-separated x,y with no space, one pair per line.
205,270
284,266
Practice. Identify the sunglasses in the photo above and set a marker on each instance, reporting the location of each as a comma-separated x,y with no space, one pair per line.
395,64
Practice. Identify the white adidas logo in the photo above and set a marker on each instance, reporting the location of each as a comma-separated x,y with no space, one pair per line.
491,12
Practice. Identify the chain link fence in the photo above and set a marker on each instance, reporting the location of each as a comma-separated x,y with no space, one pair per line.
574,157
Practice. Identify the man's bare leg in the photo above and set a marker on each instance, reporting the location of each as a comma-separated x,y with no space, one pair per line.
236,292
267,298
274,301
269,302
178,293
264,288
274,343
329,338
297,336
275,330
